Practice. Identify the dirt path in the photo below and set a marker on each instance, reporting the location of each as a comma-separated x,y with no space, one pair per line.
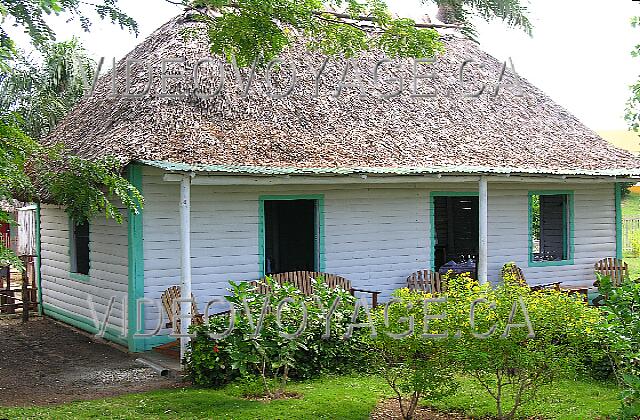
42,362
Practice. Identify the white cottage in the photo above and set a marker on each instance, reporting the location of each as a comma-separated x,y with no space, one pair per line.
325,175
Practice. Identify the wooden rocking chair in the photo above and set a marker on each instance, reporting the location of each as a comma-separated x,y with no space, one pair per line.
427,281
172,308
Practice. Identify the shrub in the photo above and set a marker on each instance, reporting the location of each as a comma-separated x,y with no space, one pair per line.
621,327
251,349
519,340
414,367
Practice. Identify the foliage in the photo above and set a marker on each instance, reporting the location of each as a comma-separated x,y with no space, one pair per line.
263,351
632,114
33,99
414,367
42,93
251,30
621,326
535,217
31,172
510,360
31,16
511,12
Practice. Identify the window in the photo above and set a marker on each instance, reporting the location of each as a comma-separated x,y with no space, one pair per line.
80,248
550,232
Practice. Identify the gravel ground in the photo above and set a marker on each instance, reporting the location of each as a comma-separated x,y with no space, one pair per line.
43,362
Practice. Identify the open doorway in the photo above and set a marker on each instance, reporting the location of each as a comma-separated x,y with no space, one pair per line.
291,235
456,236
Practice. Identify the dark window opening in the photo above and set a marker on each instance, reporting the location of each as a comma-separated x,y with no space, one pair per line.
80,249
290,236
549,227
456,224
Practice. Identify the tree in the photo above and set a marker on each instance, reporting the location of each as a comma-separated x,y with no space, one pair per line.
36,100
251,30
632,114
43,93
511,12
31,16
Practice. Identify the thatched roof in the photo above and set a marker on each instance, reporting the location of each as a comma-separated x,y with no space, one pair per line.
505,133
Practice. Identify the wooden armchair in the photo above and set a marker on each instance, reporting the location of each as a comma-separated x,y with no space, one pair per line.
515,272
617,270
303,281
427,281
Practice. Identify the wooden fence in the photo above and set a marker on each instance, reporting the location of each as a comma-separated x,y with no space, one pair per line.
630,230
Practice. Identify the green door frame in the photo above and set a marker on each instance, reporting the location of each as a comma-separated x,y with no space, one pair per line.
320,227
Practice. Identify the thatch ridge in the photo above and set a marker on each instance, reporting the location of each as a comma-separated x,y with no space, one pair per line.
531,133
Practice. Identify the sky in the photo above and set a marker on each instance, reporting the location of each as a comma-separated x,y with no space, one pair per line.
579,53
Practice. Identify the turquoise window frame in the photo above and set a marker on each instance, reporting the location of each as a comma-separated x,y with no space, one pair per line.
319,199
72,274
432,215
568,235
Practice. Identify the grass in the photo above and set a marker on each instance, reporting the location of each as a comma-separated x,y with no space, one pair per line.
634,267
631,205
346,397
566,400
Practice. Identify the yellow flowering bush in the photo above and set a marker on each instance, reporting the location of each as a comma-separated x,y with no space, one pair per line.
510,339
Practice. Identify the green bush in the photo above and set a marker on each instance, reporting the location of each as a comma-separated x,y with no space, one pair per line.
519,340
621,327
269,354
414,367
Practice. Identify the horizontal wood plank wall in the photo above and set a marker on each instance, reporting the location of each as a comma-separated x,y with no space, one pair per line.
594,231
375,236
68,299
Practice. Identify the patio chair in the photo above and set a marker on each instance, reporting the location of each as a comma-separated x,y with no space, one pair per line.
514,272
303,281
172,308
617,270
427,281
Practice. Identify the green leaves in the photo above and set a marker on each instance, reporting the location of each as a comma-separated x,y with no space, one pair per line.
31,16
88,188
259,30
42,93
403,39
632,111
510,12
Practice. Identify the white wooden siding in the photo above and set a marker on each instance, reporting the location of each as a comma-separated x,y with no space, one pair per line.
374,235
108,273
594,231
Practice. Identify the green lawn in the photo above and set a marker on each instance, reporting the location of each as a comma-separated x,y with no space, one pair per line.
631,205
634,267
349,397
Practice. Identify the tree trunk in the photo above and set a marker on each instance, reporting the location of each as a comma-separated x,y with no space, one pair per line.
446,14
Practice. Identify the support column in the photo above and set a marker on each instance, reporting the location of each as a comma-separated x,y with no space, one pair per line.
185,243
483,231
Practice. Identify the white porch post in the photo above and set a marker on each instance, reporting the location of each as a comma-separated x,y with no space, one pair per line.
483,231
185,243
